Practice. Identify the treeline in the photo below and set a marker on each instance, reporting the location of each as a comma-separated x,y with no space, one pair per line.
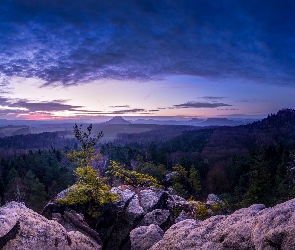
43,140
34,177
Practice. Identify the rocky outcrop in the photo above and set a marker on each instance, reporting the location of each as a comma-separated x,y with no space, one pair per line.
135,207
22,228
255,227
117,221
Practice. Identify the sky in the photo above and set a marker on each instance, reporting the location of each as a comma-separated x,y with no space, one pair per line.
72,59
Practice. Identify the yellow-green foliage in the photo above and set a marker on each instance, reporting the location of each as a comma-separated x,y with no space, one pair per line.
218,207
201,212
89,189
180,170
132,177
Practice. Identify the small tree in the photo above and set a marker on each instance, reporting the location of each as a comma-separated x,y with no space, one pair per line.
259,190
83,157
179,180
36,197
90,189
194,181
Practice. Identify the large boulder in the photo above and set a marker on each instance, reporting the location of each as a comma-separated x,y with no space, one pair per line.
255,227
22,228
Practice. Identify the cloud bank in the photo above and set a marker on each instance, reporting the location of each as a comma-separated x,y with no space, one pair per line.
201,105
70,42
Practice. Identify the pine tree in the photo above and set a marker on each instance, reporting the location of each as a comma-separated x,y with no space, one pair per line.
36,197
180,181
194,181
90,189
259,190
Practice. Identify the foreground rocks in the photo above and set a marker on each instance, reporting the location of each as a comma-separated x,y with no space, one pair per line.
138,223
255,227
135,208
22,228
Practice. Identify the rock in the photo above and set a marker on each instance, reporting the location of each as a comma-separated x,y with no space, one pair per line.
125,196
255,227
77,223
22,228
182,216
176,201
79,242
175,235
142,238
158,217
134,209
152,198
212,199
170,176
52,207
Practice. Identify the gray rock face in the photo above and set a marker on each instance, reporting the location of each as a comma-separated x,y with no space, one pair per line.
151,199
142,238
183,216
134,209
158,217
21,228
127,213
212,199
255,227
124,194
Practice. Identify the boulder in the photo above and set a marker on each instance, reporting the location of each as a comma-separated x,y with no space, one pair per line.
255,227
152,198
142,238
158,217
52,207
22,228
125,195
213,199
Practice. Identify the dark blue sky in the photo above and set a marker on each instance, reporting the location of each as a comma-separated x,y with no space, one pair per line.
56,43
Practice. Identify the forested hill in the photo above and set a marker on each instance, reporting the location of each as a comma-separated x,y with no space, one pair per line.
230,160
283,118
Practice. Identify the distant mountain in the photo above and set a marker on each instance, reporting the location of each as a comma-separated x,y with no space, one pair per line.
160,122
196,120
116,120
220,122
